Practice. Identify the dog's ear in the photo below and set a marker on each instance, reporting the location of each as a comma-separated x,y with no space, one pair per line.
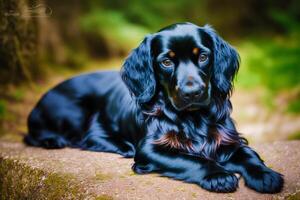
225,63
138,74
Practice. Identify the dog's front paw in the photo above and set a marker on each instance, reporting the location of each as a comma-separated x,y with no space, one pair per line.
267,181
220,182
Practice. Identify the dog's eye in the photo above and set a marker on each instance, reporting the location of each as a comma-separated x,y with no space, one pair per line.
203,57
167,63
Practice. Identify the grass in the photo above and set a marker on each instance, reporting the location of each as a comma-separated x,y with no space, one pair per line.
294,106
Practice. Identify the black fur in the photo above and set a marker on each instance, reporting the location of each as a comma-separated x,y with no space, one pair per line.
168,108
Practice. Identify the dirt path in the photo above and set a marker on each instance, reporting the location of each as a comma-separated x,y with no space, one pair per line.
261,124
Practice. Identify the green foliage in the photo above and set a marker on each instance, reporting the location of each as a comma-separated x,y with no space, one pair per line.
294,107
287,20
118,26
3,107
271,63
18,94
155,14
75,59
118,33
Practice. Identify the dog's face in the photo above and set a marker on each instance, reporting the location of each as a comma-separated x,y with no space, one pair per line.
190,64
182,61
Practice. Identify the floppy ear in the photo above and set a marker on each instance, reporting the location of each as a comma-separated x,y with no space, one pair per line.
226,63
137,72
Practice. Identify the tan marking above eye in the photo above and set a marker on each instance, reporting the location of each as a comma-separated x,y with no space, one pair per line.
195,51
171,54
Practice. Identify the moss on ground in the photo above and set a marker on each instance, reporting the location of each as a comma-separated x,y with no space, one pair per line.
294,136
18,181
295,196
104,197
103,177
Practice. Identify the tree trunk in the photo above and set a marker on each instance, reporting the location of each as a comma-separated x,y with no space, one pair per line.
19,58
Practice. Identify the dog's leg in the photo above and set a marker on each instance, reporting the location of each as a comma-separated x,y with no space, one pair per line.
98,139
257,176
188,168
96,142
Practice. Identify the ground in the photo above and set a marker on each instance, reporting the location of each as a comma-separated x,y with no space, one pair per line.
36,173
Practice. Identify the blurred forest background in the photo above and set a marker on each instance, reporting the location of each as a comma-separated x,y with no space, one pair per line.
42,42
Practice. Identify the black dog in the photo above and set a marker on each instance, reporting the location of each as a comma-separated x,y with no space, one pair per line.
169,108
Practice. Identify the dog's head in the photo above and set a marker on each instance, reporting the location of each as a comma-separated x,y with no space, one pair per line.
191,65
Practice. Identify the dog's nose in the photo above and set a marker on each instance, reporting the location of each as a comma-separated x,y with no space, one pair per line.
191,94
192,90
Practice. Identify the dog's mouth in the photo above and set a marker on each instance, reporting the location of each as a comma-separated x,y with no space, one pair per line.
181,104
